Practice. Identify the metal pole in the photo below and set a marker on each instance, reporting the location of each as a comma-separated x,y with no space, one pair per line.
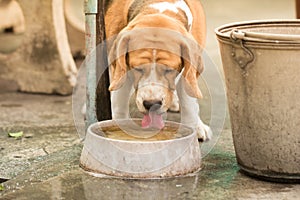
98,105
91,11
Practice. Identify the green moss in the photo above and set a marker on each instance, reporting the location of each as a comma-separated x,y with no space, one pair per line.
221,167
2,187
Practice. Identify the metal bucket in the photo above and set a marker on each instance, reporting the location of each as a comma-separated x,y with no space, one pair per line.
261,61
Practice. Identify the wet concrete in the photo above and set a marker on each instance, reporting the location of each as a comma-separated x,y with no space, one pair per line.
57,176
44,163
47,126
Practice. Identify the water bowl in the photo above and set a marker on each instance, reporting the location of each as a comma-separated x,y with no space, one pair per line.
121,148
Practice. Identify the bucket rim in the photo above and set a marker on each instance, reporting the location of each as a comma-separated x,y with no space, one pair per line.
223,30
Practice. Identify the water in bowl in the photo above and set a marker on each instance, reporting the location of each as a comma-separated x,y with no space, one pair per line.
136,133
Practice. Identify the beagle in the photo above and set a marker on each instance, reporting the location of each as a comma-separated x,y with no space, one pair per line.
155,52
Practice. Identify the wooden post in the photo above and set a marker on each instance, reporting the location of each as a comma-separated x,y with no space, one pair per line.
298,9
103,104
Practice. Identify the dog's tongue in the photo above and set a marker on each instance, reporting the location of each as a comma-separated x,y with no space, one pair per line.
153,120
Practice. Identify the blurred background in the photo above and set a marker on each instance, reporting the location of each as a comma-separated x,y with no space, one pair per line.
42,43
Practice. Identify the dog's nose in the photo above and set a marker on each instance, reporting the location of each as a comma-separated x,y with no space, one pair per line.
152,104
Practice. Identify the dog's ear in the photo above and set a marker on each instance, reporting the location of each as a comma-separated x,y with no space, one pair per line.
117,60
193,66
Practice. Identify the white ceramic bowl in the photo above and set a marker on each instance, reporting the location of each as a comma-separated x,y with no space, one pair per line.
140,158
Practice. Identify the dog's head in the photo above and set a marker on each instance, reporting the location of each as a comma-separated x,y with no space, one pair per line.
154,57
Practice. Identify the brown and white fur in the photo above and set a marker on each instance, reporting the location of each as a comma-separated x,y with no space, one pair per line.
155,58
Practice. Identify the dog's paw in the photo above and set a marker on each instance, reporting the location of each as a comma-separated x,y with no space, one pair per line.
174,107
83,111
175,104
204,132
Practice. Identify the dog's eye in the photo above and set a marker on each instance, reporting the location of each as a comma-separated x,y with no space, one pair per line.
140,70
167,71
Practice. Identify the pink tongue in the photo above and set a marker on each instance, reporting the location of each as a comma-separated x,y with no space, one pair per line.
153,120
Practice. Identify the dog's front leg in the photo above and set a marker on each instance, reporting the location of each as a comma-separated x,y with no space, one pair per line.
120,101
190,112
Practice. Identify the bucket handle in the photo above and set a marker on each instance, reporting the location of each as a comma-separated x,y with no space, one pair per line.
238,34
244,56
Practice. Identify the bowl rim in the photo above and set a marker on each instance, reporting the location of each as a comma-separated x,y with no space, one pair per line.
89,131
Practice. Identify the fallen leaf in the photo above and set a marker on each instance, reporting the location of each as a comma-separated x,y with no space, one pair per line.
16,135
1,187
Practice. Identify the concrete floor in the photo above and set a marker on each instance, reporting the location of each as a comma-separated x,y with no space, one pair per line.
43,164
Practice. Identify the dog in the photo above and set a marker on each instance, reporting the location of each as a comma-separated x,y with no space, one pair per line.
156,52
